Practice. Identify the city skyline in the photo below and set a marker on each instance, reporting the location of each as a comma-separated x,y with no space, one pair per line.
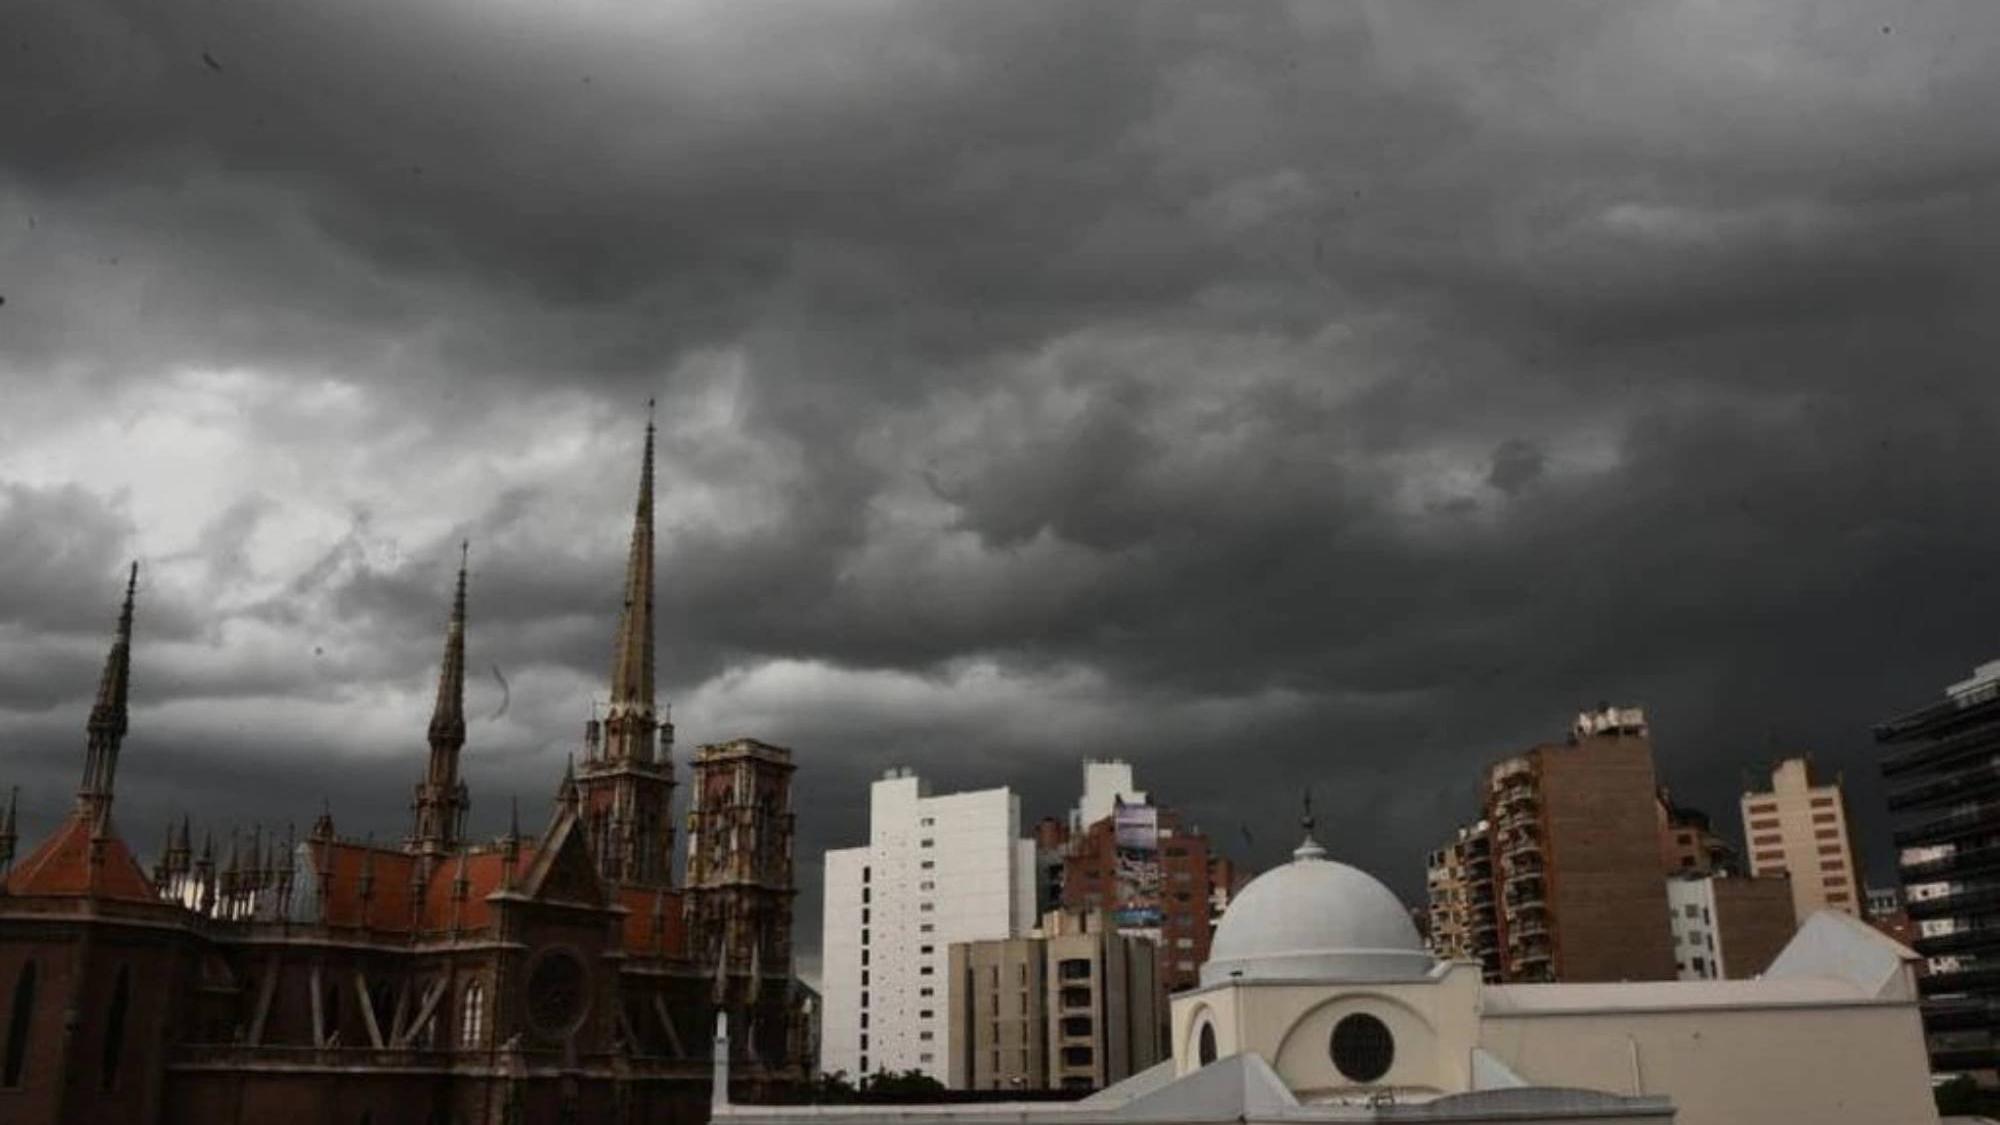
1344,398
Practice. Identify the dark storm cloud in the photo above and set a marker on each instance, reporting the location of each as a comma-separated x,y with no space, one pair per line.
1344,393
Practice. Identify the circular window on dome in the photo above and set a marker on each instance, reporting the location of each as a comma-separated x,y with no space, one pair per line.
556,992
1363,1049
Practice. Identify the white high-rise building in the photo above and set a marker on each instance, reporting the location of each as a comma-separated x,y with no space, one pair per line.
1106,783
935,870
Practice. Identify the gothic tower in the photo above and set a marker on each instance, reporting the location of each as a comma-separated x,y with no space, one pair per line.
739,882
739,864
106,728
441,799
626,782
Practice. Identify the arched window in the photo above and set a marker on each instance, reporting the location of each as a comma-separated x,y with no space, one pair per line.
114,1027
1205,1051
18,1024
472,1015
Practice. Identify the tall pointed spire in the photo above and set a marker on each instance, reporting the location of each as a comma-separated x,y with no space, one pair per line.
632,668
628,788
566,794
106,728
441,797
448,713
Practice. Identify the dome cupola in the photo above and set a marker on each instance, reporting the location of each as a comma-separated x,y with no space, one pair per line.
1316,919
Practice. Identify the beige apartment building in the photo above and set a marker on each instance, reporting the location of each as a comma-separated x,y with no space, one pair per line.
1072,1005
1801,828
1464,924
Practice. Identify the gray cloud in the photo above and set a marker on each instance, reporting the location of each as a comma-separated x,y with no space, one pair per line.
1270,394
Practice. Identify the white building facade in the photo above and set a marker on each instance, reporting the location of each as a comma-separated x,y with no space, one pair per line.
1691,915
936,870
1107,782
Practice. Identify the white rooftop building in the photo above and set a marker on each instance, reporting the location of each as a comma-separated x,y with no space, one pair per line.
936,870
1319,1003
1107,783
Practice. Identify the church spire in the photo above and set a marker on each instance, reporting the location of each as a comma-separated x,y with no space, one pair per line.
632,668
448,713
440,796
106,728
626,791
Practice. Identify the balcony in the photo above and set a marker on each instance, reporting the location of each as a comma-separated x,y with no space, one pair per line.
1969,1014
1525,892
1943,753
1943,829
1947,714
1963,784
1532,962
1979,898
1977,939
1527,932
1965,1058
1981,860
1979,977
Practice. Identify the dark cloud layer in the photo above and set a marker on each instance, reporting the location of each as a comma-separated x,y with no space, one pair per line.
1269,394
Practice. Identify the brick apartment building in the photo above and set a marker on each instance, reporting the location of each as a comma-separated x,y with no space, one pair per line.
1577,856
562,976
1178,907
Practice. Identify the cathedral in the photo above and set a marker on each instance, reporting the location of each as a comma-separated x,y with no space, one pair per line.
552,977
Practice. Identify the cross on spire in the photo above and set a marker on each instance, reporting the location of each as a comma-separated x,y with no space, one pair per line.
1309,848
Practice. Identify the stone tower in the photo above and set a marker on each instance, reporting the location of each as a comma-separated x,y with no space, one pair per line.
739,879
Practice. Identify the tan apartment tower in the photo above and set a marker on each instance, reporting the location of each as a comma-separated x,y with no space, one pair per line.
1576,855
1073,1005
1458,878
1801,828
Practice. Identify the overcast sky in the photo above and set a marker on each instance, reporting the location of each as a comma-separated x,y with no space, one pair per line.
1328,394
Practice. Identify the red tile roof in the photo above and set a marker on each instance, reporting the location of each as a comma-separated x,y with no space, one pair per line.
338,866
638,937
484,872
61,866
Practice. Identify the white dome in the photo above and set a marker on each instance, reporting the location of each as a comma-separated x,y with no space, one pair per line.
1314,919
